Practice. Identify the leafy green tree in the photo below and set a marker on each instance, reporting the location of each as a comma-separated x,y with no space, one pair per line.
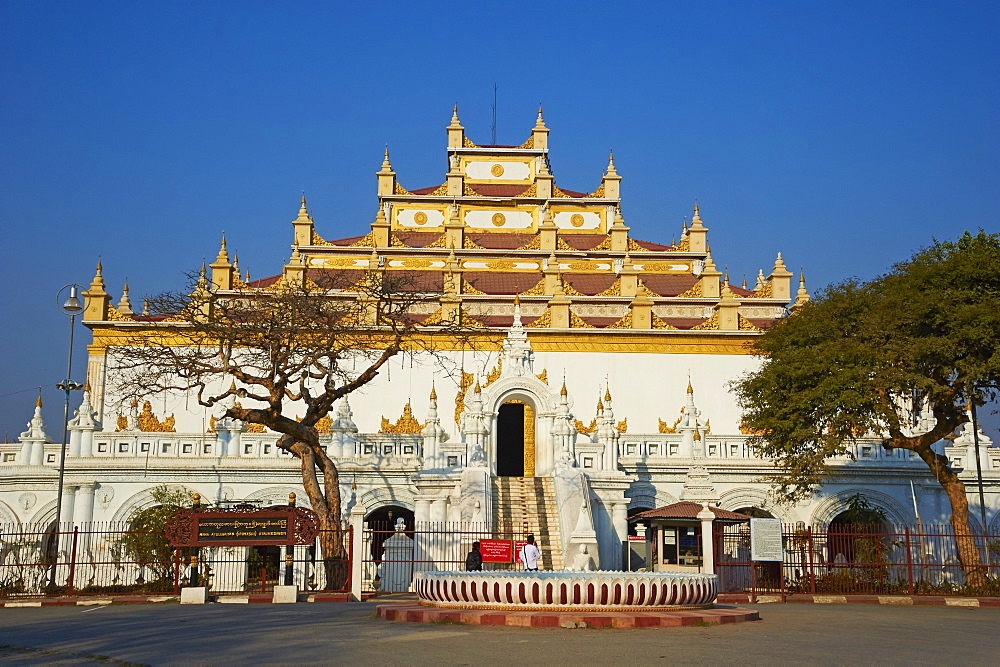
146,543
865,357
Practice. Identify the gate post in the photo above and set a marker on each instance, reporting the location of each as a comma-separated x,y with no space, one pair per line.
357,549
706,516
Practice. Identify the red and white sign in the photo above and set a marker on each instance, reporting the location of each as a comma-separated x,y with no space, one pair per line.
496,551
636,538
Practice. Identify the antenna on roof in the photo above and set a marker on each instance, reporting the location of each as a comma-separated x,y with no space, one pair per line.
493,127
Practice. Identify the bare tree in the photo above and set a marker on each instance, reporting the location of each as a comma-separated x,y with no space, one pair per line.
286,345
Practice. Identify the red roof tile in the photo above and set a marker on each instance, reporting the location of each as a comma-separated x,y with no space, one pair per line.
574,193
500,241
740,291
683,322
417,239
335,278
264,282
649,245
689,510
497,190
668,285
425,191
583,241
600,322
590,283
348,241
418,281
498,282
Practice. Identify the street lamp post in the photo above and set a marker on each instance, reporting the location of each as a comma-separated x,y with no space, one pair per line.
71,306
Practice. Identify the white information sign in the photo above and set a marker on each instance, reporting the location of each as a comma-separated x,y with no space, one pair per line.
765,540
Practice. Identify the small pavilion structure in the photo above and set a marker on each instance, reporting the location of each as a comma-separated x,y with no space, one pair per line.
679,538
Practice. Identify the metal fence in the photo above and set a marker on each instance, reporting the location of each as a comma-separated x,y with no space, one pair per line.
391,555
105,558
871,560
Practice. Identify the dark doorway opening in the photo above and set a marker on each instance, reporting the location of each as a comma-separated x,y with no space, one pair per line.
510,440
382,524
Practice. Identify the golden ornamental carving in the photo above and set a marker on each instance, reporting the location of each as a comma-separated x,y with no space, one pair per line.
747,325
420,218
543,322
316,239
669,429
604,245
532,191
763,293
211,425
529,144
394,242
635,247
463,387
622,426
255,428
694,292
576,220
614,290
115,316
439,191
708,427
469,192
502,264
709,324
577,322
400,190
746,430
494,374
660,324
580,428
534,244
623,323
598,193
366,241
497,170
467,143
684,245
559,194
148,422
537,290
543,376
467,288
406,423
569,290
324,424
469,244
439,242
562,245
239,285
498,219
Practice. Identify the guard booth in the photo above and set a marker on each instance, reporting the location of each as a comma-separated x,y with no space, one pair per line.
674,535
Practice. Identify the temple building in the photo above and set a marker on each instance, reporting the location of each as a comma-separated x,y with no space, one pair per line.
600,388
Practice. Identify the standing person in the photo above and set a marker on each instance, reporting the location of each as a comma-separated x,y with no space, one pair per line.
474,561
530,555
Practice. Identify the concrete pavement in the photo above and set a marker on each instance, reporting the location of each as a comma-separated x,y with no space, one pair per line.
350,634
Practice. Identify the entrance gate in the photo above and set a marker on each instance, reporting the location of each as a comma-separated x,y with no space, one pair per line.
516,439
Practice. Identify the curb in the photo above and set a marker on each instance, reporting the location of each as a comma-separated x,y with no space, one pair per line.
414,612
252,598
898,600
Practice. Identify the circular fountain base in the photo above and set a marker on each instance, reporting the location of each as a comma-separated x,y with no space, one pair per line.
566,591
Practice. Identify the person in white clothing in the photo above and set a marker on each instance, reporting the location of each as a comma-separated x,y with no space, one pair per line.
530,555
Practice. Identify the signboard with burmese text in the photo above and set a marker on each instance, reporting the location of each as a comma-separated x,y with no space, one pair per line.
496,551
210,527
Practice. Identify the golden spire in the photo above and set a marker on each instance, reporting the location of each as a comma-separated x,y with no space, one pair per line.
607,394
611,164
563,392
386,165
125,304
690,389
600,404
223,257
540,122
434,394
38,403
86,386
303,211
477,389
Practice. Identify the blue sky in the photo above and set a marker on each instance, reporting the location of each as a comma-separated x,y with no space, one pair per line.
846,135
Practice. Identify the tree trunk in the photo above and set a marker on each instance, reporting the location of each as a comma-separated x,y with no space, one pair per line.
965,541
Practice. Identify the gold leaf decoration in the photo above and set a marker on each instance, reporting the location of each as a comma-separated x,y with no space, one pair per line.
614,290
400,190
635,247
543,376
532,191
622,426
467,143
255,428
323,424
529,144
469,244
394,242
494,374
115,316
534,244
598,193
623,323
464,385
467,288
148,421
439,191
580,428
763,293
660,324
316,239
537,290
693,292
543,322
559,194
406,423
469,192
439,242
747,325
709,324
366,241
577,322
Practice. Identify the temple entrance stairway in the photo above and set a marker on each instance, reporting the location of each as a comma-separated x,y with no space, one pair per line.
523,505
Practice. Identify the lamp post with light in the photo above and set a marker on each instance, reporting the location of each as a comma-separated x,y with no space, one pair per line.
71,306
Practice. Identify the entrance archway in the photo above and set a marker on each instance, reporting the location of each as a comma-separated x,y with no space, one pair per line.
511,440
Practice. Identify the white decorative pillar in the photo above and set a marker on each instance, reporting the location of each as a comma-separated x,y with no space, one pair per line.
343,431
83,514
707,517
357,557
619,520
433,436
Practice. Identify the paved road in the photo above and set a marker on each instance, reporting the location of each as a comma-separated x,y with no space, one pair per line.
334,633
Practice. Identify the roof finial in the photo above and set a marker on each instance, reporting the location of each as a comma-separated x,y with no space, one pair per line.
690,389
386,165
611,164
38,403
540,122
454,117
434,394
